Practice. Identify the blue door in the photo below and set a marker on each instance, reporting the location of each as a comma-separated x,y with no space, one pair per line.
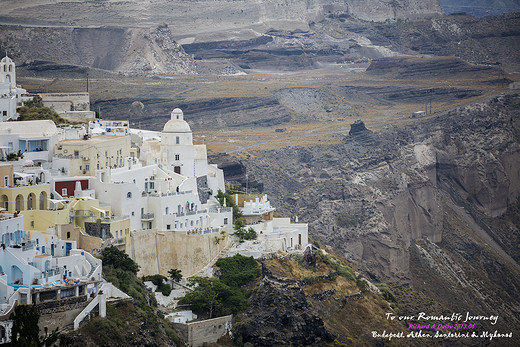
43,249
68,247
52,249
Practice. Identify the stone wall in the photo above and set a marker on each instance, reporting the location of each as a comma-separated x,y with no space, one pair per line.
206,331
158,252
62,305
58,314
65,102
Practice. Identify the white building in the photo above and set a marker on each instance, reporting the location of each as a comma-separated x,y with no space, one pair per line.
176,152
71,106
171,189
35,139
11,95
274,234
181,316
25,263
109,127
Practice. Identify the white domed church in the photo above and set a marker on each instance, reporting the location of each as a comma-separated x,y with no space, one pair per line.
176,152
11,95
177,149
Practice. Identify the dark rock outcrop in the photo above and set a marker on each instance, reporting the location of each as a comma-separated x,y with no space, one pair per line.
309,258
280,315
358,127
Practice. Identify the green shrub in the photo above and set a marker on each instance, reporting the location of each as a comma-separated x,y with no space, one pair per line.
160,282
345,220
386,292
238,270
311,279
342,270
362,285
215,297
126,281
119,259
243,234
34,110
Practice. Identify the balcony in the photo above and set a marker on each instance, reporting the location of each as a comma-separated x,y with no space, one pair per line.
146,217
81,214
120,241
36,156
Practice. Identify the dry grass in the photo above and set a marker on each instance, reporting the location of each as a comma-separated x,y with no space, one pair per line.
323,129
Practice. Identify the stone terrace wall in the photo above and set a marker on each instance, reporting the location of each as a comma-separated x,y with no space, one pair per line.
189,253
207,331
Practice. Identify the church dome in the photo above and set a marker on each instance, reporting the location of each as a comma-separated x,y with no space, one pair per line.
177,124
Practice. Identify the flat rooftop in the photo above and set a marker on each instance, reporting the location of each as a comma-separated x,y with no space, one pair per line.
93,139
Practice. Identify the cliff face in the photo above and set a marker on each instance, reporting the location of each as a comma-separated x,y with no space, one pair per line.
376,193
117,49
200,15
479,8
380,11
432,204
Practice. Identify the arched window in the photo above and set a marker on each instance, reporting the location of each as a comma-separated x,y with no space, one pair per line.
43,200
19,203
129,195
30,201
5,202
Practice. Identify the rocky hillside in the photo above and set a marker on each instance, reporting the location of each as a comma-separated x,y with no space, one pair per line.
425,205
136,36
488,40
117,49
248,35
314,300
479,8
206,15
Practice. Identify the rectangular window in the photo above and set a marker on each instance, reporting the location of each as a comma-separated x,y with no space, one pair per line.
6,181
76,153
68,234
10,147
5,113
177,157
177,140
87,167
64,192
168,226
225,221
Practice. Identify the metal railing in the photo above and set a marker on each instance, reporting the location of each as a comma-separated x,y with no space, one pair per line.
202,232
28,245
147,215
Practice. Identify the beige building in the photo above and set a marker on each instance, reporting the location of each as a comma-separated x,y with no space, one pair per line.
17,198
82,220
6,175
95,153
